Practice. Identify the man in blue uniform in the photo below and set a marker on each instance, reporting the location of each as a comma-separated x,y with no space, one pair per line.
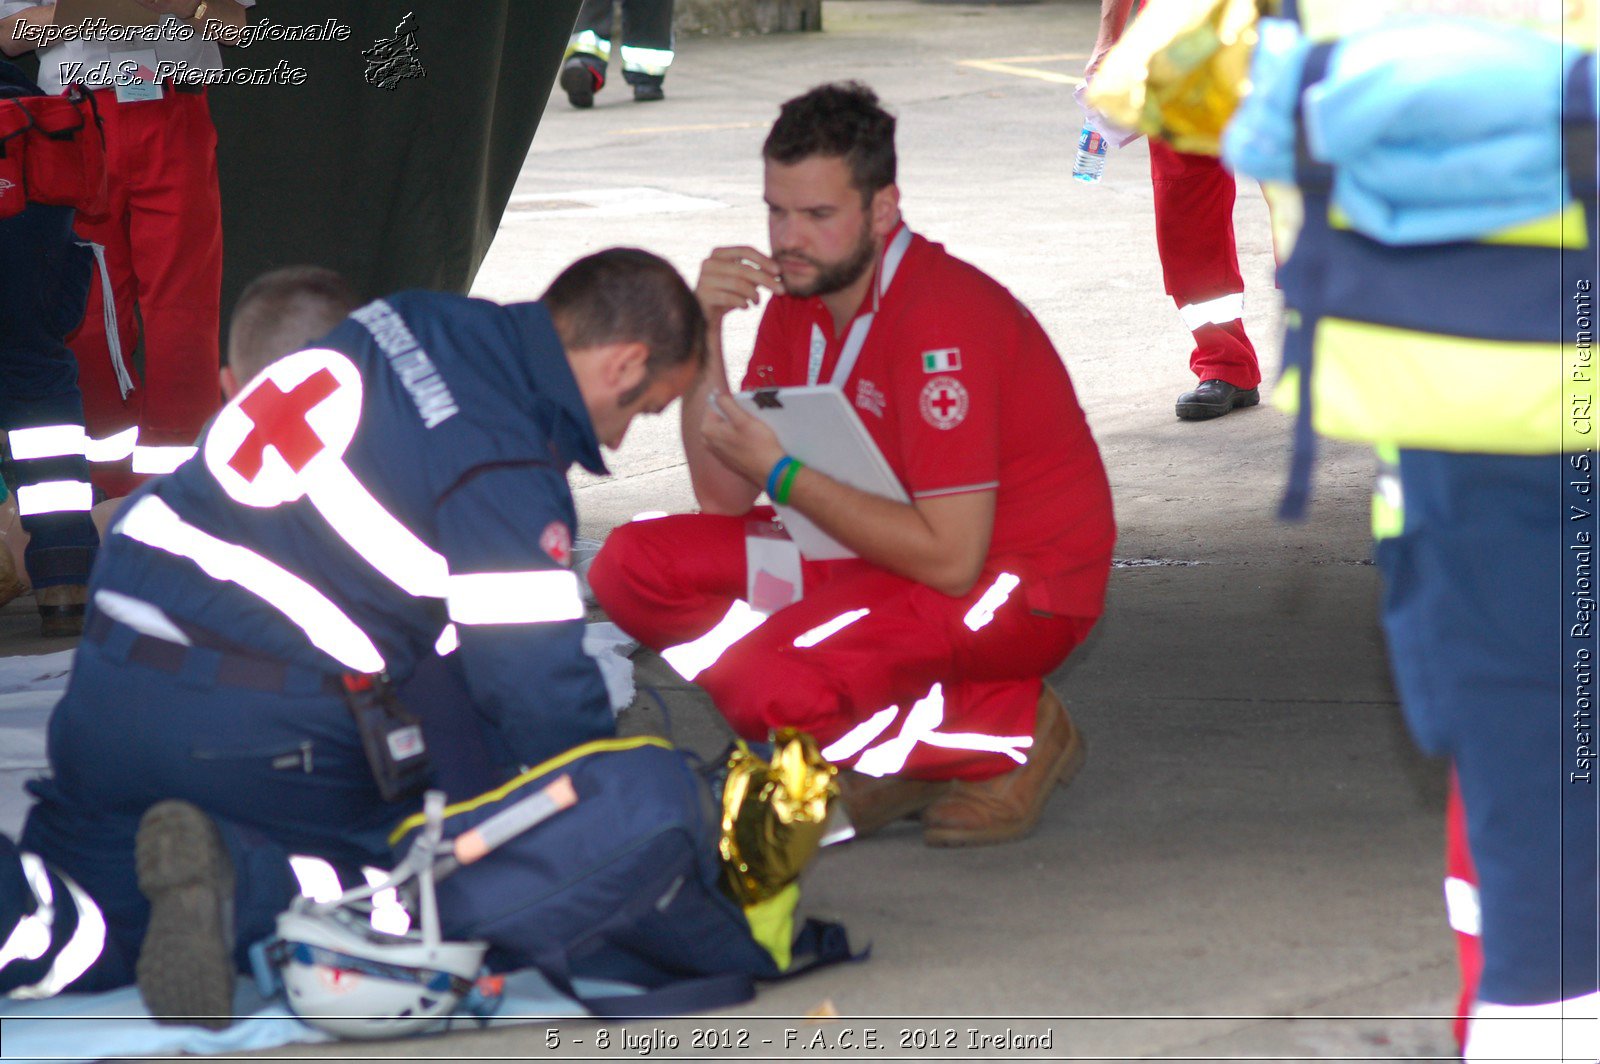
393,491
44,283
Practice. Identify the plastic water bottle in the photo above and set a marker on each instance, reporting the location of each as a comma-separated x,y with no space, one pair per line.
1091,160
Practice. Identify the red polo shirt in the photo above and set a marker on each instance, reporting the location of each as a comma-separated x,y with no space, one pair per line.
962,391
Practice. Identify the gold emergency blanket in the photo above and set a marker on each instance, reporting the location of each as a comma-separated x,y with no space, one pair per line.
773,815
1179,71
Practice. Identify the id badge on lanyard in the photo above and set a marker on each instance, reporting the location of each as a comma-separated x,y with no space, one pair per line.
772,567
857,338
134,74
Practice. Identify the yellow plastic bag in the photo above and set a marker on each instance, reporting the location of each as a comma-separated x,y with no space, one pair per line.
1179,71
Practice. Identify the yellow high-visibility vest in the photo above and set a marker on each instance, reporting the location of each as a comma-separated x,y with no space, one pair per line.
1478,346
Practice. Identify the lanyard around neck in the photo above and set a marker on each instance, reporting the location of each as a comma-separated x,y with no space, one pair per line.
857,339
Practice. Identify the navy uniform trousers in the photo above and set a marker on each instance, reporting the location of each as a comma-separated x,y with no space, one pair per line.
1488,600
281,771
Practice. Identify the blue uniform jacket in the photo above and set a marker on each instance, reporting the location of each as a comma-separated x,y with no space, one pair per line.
469,418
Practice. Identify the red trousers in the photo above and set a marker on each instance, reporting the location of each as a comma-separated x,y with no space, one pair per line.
914,683
163,250
1200,263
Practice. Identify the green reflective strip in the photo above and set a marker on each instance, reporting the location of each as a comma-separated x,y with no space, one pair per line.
651,61
1388,496
1567,229
590,43
1375,383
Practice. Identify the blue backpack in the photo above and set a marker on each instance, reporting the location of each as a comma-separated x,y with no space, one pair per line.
624,885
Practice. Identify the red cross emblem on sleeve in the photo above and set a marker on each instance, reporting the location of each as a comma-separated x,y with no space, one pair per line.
278,420
944,402
289,428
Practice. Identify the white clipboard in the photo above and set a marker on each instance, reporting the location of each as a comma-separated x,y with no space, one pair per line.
815,423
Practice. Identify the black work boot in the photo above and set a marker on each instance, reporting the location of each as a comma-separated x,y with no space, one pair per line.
581,77
1214,398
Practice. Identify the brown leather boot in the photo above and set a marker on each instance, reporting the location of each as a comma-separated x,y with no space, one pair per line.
1007,807
875,802
61,609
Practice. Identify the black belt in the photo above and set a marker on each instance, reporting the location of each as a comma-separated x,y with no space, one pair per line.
232,669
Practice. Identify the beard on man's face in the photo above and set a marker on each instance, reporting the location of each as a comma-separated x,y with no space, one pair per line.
834,276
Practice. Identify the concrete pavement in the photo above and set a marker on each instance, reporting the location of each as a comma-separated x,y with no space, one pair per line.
1250,862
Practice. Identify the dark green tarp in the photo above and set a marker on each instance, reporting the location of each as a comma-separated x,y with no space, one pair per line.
394,188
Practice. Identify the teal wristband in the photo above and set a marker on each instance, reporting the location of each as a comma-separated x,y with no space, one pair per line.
772,477
786,482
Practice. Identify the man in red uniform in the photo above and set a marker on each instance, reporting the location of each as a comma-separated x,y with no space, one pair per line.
159,243
1199,260
918,663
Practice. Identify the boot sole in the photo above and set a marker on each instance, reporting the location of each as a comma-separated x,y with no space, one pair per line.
578,84
1062,772
1205,411
185,969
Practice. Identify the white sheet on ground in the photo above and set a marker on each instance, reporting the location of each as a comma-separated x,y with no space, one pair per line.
75,1027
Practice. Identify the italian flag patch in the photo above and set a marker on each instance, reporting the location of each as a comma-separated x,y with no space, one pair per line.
943,360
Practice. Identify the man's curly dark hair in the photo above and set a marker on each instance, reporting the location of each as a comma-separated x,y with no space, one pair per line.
842,119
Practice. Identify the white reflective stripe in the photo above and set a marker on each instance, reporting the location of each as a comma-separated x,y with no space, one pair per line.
860,737
448,642
646,60
590,41
1566,1031
541,596
156,461
389,917
921,726
143,617
890,756
53,497
1217,311
648,515
48,441
982,611
964,488
113,448
88,939
318,881
374,533
1010,745
30,939
152,522
693,658
1461,903
823,631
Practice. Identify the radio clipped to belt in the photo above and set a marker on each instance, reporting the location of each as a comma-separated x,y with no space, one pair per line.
391,736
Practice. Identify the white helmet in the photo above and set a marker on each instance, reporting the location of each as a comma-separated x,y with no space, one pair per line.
344,976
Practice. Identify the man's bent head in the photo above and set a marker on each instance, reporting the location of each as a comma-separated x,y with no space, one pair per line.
830,191
633,331
278,314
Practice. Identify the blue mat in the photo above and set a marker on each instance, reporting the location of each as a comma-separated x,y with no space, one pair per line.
86,1027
